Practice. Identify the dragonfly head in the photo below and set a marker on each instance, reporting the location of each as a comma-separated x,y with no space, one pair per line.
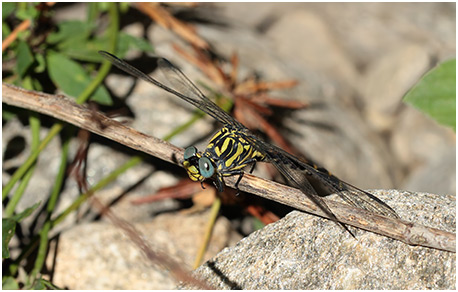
198,167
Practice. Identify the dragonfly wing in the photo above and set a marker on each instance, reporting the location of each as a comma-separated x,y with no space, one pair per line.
306,177
349,193
294,173
180,86
191,93
360,198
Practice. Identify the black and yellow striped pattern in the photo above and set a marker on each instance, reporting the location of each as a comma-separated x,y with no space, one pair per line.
231,151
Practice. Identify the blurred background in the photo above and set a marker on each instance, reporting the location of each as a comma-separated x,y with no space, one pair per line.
328,80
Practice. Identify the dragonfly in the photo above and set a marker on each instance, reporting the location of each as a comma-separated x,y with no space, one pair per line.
234,147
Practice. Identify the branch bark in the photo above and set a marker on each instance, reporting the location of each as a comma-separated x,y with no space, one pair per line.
67,110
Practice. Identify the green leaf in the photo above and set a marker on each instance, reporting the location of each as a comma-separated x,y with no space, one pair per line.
123,7
9,227
103,6
9,112
71,78
7,9
88,51
24,58
435,94
257,224
5,30
41,63
26,82
26,212
45,284
36,85
8,230
9,283
70,32
127,41
38,285
27,11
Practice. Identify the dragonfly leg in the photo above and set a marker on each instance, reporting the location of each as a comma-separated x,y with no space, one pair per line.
240,178
252,167
237,183
219,183
240,173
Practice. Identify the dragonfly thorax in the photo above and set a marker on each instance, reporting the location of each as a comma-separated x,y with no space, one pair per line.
227,153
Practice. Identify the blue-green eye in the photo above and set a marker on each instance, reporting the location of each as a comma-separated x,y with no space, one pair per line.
206,167
190,152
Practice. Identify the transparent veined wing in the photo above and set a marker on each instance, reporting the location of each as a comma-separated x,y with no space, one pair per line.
179,85
306,177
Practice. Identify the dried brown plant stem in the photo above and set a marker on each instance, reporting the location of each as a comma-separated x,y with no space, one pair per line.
160,15
67,110
155,256
13,35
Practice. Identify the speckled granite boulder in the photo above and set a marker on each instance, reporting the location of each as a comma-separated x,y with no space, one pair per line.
306,252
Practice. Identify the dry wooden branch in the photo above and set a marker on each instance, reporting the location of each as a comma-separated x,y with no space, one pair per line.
67,110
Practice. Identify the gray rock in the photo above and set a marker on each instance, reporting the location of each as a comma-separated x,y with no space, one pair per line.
321,54
367,31
386,81
443,163
426,150
305,252
100,256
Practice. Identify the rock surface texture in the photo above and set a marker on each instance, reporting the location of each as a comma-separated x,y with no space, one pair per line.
305,252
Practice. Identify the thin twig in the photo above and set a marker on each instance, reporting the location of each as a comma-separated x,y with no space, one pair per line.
13,35
67,110
154,255
168,21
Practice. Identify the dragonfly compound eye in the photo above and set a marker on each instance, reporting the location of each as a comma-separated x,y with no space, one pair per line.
190,152
206,167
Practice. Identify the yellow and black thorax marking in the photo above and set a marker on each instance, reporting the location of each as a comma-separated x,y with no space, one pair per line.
227,153
231,152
